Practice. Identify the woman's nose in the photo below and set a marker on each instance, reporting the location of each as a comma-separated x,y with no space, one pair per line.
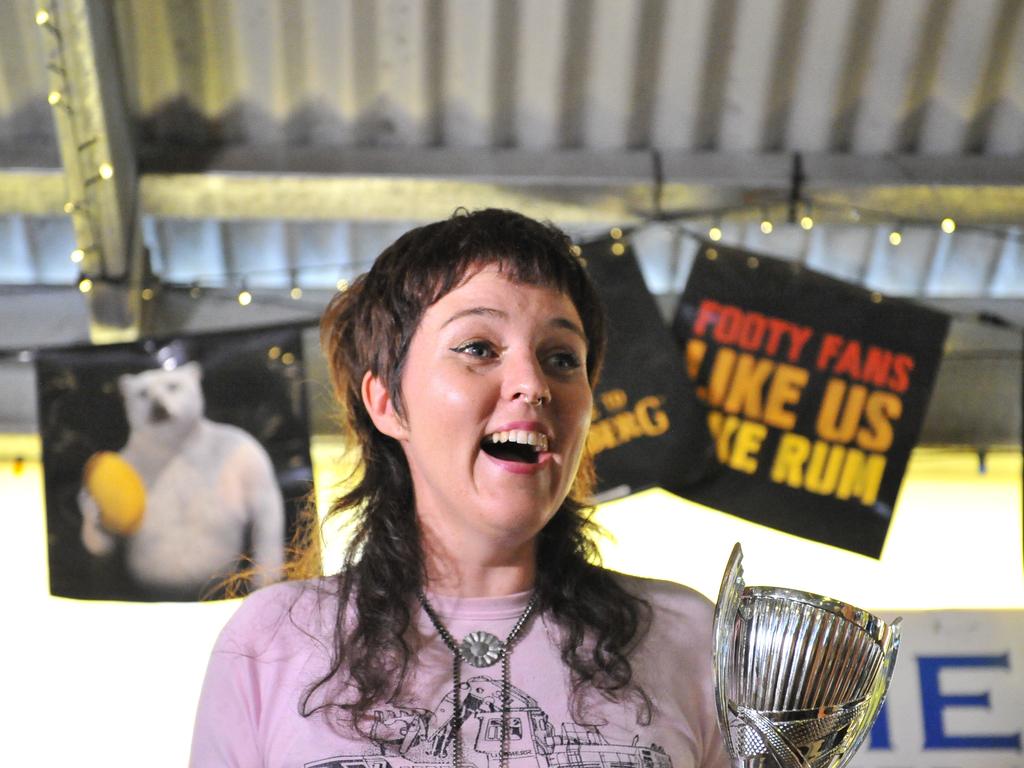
526,381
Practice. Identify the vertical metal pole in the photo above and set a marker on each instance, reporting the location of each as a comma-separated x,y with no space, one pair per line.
98,154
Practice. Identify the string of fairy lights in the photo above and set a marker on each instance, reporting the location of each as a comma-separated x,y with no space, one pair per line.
239,284
806,222
696,226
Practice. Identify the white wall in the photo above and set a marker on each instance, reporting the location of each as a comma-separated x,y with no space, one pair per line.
88,681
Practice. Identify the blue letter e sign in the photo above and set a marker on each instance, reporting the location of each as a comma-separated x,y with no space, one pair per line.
933,702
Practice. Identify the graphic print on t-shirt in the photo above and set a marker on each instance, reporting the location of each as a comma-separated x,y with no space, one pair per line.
421,738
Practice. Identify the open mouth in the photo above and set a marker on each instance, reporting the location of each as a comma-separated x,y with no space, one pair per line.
517,445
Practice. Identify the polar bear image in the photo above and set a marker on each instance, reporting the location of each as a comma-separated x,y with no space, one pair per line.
205,491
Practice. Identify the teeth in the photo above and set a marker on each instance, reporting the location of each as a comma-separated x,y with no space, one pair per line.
538,440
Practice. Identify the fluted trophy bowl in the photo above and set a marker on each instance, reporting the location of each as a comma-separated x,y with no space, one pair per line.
799,678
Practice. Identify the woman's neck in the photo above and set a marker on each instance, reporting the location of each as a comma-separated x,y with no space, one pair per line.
463,565
468,577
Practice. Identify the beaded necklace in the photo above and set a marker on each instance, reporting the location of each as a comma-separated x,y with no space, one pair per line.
479,649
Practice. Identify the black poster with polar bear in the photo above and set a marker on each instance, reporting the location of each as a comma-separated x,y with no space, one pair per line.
173,465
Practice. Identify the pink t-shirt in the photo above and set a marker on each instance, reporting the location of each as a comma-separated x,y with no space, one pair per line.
279,641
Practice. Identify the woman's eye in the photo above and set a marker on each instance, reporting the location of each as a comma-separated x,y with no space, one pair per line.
565,361
475,349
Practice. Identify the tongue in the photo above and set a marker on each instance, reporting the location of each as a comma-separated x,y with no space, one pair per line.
511,452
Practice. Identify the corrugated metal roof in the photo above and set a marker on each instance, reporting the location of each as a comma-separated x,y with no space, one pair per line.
860,76
867,77
24,113
737,78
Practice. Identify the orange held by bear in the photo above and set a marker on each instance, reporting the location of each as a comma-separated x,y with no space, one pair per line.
118,491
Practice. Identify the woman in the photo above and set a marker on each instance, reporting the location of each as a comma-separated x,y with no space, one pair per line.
469,625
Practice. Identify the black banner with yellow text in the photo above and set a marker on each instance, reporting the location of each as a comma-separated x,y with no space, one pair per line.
815,391
648,428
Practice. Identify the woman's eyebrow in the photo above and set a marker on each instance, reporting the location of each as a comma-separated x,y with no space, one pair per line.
569,325
489,311
557,322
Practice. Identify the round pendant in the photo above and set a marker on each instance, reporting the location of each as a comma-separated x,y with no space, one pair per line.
481,649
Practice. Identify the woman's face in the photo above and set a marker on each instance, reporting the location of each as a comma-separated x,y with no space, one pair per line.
496,410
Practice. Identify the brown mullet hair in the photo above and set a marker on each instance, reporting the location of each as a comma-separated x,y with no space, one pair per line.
369,327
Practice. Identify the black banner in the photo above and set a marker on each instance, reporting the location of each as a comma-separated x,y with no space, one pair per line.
171,463
815,393
647,428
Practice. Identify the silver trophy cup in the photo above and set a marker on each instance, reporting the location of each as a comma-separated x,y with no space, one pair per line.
799,678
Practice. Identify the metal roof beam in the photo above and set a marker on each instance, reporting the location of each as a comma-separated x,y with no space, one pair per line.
570,167
569,186
31,180
98,155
